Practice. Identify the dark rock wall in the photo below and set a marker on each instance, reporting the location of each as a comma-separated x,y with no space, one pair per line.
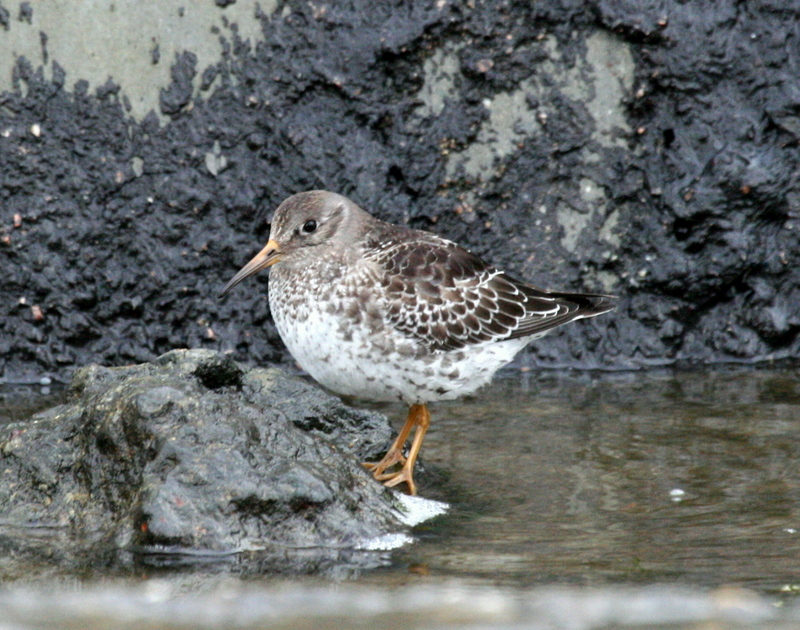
115,235
714,218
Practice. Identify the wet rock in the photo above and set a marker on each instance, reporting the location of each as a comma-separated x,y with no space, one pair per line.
194,453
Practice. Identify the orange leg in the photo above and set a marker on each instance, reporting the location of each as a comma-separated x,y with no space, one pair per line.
418,419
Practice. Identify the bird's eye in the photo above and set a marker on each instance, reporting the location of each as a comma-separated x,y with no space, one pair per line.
309,226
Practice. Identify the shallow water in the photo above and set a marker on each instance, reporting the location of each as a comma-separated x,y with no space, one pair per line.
686,480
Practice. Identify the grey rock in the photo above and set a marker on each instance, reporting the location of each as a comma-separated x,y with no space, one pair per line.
195,454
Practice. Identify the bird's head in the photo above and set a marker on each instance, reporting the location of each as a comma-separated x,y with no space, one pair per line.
312,219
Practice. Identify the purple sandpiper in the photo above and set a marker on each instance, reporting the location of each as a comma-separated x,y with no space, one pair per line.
385,313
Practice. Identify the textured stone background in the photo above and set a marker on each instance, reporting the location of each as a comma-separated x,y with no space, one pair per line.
649,149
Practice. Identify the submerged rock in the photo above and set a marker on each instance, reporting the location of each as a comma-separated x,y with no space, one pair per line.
195,453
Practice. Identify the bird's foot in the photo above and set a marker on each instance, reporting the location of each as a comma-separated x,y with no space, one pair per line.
418,419
393,456
406,473
392,479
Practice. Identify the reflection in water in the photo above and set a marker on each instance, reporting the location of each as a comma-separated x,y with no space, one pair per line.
640,477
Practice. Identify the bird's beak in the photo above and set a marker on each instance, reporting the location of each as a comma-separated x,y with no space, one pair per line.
265,258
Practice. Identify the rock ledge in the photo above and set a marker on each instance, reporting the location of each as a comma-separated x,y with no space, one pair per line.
194,453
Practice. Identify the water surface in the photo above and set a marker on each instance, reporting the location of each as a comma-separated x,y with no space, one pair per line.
635,478
611,482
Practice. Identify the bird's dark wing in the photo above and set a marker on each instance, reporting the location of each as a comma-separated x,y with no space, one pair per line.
447,298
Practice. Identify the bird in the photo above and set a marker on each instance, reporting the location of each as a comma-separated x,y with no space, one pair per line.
383,312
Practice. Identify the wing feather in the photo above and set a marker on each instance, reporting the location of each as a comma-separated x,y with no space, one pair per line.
447,298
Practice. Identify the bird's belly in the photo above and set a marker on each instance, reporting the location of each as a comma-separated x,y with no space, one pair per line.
343,361
350,361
